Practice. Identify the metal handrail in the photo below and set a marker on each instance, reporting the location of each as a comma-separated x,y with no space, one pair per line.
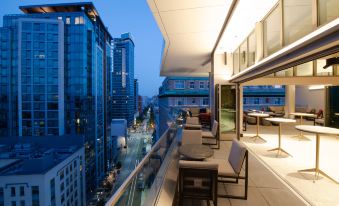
116,196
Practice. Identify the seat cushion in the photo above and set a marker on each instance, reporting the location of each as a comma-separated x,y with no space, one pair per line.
224,167
319,121
192,126
197,164
207,134
192,120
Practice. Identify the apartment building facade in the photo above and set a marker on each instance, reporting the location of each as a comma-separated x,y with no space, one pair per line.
54,67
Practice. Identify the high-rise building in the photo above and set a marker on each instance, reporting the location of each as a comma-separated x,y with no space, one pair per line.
136,95
55,60
123,78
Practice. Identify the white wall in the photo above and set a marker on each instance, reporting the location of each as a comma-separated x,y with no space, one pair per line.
311,98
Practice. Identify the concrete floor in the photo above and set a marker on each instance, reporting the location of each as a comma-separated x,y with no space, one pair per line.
319,192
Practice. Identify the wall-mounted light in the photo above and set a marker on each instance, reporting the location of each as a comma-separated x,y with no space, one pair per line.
316,87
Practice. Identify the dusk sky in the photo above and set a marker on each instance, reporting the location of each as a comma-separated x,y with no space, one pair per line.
122,16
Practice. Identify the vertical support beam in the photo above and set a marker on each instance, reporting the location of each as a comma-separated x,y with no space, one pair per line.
238,129
282,35
241,108
315,19
289,99
259,35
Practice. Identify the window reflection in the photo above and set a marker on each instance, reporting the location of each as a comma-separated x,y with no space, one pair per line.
272,32
305,69
328,10
297,19
252,44
236,61
243,55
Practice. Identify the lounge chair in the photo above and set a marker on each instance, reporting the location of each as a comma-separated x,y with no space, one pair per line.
213,134
229,170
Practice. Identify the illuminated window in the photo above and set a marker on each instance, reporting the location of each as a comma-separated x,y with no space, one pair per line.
179,84
76,20
201,85
191,85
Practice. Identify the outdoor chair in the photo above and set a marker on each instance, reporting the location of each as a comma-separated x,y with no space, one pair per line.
191,137
213,134
319,120
229,170
198,180
192,123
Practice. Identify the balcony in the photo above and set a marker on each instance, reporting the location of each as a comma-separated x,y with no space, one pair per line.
273,180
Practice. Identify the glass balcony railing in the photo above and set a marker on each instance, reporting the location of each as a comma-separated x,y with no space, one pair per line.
143,184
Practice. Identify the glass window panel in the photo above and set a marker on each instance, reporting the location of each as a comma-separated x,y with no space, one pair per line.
297,19
252,44
272,32
328,10
305,69
243,55
236,61
285,73
320,68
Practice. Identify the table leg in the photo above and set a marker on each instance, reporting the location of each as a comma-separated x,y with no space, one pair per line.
257,135
301,136
279,149
317,171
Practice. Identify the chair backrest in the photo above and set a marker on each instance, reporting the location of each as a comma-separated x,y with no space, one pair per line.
193,120
191,137
320,114
215,128
237,155
198,179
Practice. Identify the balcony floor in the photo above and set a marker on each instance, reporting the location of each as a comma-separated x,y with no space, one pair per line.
265,188
320,192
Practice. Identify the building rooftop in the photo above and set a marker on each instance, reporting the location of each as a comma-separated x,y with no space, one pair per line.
64,7
36,155
87,7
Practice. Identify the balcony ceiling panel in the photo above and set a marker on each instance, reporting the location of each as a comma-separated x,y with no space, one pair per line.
190,29
187,4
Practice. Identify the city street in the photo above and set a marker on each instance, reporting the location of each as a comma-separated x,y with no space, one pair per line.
130,158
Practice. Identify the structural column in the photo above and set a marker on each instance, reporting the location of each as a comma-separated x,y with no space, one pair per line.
289,99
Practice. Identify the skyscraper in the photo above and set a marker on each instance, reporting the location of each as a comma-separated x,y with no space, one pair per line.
123,78
136,94
55,62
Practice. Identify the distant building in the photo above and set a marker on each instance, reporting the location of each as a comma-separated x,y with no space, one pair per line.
56,82
181,92
42,170
140,105
123,79
136,96
118,135
261,97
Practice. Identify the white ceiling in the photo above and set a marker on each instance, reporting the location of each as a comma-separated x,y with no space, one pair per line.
190,29
242,22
